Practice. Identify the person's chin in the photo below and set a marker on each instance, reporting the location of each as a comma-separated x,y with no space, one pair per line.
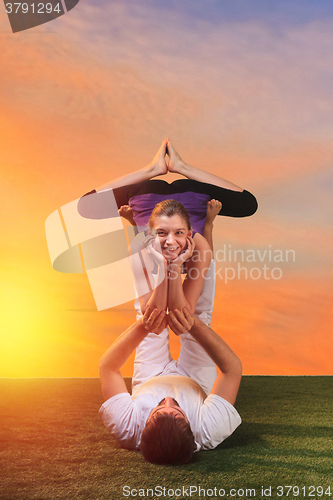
172,255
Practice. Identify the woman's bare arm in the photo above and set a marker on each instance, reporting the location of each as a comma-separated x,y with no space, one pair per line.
155,168
179,166
186,294
144,255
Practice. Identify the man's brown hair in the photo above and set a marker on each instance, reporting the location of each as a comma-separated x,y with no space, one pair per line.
167,439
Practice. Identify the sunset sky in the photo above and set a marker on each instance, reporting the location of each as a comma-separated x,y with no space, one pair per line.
244,90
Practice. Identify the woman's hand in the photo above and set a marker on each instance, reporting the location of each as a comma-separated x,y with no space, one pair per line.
154,321
154,250
158,166
175,162
180,322
185,255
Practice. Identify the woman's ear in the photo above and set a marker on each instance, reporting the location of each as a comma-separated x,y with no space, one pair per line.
190,232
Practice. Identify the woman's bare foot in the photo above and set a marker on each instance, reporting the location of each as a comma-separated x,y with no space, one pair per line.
126,212
213,208
159,165
176,164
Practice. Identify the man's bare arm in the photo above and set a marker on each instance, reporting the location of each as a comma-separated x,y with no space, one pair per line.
229,365
113,359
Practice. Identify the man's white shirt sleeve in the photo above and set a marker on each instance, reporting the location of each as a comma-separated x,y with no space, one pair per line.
119,417
218,420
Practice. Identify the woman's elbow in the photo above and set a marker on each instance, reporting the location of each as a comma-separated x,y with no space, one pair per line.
159,307
191,309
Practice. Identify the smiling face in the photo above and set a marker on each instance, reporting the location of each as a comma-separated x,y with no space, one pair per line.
172,233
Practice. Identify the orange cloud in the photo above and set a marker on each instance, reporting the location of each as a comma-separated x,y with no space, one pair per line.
94,95
280,327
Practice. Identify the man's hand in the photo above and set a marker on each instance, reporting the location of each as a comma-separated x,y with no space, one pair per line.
155,321
180,322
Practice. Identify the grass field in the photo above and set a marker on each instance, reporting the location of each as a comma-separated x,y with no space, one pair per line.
54,446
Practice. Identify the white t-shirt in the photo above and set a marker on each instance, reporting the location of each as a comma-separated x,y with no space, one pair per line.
212,419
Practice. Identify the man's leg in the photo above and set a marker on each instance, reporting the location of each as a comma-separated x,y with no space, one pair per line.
193,358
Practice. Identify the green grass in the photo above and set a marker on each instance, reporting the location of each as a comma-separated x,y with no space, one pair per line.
54,446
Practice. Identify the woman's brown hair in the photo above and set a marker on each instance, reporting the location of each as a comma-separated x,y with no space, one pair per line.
170,208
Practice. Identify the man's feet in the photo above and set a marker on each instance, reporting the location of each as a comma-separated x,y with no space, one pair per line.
176,164
159,165
126,212
213,208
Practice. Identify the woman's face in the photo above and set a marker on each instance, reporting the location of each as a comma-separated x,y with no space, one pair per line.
172,233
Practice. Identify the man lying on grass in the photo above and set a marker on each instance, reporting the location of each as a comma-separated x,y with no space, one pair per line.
169,415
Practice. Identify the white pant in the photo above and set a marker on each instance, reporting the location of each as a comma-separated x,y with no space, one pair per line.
153,358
